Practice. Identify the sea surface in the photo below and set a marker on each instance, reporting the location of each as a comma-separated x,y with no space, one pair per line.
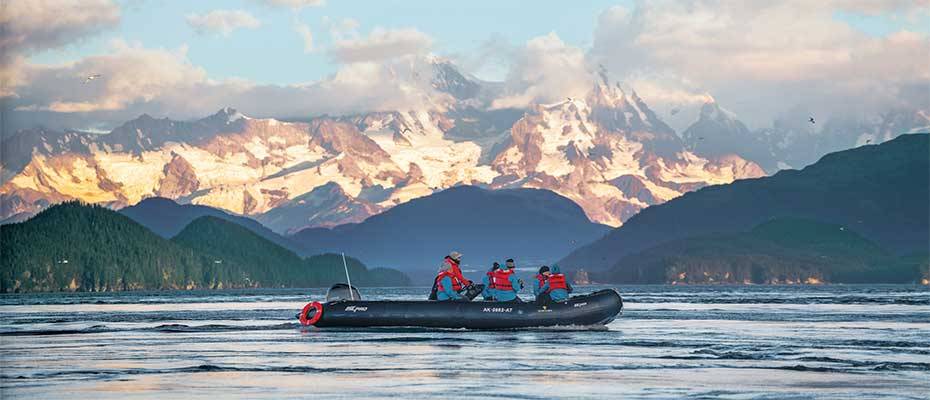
734,342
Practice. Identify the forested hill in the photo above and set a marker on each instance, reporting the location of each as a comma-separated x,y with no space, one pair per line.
786,250
243,252
77,247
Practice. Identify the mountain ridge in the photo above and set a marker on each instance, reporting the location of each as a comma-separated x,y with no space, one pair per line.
887,182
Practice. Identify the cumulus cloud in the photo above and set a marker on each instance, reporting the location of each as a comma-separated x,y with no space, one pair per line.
37,25
136,80
32,26
222,22
306,35
546,70
129,73
382,44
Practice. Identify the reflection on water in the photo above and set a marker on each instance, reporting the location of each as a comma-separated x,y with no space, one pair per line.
670,342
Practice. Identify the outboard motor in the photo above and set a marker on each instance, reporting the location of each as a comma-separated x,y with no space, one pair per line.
340,291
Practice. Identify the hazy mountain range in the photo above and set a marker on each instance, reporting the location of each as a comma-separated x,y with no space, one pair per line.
532,226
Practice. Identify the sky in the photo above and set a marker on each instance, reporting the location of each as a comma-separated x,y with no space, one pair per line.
288,58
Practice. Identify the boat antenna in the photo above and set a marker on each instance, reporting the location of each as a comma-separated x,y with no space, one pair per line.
346,266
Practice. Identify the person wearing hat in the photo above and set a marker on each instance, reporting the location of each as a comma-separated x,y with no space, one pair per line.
488,291
446,285
541,286
454,259
506,284
450,267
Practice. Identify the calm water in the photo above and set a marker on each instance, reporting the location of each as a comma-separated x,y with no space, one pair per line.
670,342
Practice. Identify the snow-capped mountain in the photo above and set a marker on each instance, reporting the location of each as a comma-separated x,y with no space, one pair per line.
608,152
798,143
718,132
793,141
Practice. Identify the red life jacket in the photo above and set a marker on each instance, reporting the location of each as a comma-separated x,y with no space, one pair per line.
490,275
457,272
501,279
456,283
542,279
557,281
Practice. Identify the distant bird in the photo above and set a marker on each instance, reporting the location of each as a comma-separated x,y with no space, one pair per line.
217,261
868,141
92,77
811,120
405,130
569,99
674,111
701,138
842,228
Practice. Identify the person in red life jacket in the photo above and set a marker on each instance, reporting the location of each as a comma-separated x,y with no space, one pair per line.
506,284
488,291
454,259
541,286
559,288
451,263
447,285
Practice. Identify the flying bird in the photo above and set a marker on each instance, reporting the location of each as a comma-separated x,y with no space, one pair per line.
701,138
91,77
674,111
405,130
811,119
868,141
569,99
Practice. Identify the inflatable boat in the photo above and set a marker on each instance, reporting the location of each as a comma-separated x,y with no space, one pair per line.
597,308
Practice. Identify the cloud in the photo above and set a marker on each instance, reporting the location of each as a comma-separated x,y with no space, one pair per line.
222,22
546,70
28,27
304,31
294,4
162,82
766,56
382,44
129,74
37,25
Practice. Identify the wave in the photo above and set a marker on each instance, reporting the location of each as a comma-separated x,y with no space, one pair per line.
518,367
165,328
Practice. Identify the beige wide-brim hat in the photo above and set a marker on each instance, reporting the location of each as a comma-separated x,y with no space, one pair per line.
455,255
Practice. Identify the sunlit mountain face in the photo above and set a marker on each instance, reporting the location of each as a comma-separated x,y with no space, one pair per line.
608,151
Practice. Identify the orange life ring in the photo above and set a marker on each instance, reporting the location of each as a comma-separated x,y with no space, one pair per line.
316,316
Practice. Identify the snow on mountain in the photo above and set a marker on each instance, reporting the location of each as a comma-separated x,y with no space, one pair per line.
608,152
718,132
796,143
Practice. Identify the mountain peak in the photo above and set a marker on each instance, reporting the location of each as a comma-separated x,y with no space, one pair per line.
228,114
447,78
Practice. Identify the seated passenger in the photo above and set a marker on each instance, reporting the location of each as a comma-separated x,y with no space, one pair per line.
506,284
447,285
559,288
453,260
488,291
541,286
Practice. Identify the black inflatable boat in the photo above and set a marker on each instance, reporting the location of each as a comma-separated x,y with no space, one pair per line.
598,308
